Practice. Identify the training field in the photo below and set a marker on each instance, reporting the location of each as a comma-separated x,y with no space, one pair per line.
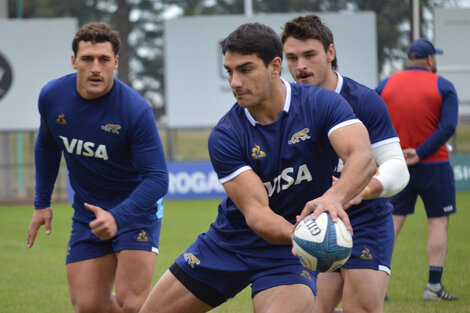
34,281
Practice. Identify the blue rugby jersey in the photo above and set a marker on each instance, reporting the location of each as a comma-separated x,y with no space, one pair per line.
111,146
372,111
292,156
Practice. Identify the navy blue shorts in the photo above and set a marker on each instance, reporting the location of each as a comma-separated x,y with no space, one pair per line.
83,245
223,273
372,245
434,183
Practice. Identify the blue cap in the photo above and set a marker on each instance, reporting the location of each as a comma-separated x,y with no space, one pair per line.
422,48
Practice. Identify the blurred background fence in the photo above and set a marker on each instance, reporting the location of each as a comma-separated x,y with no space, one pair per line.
17,160
181,144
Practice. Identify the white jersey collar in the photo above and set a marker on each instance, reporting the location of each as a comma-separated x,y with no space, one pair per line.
339,84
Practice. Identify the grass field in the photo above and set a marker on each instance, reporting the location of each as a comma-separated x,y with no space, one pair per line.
34,280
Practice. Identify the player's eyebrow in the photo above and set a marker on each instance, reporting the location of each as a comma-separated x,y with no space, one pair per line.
244,64
304,52
240,66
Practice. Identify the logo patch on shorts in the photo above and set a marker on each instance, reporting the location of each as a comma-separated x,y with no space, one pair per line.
448,208
306,275
191,259
142,237
365,255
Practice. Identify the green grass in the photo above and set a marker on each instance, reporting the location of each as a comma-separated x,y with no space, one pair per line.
34,280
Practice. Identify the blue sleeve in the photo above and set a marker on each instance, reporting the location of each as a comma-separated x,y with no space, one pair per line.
447,123
380,87
149,159
224,152
47,156
330,110
374,114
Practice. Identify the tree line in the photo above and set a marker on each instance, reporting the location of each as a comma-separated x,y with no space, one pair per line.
140,24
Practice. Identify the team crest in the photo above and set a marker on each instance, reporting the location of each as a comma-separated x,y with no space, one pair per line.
142,237
257,153
298,136
306,275
191,259
113,128
61,119
365,255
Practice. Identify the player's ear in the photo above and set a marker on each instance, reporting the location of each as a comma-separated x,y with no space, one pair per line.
73,59
331,53
429,60
276,66
116,64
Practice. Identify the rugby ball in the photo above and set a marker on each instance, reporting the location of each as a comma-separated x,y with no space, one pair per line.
321,245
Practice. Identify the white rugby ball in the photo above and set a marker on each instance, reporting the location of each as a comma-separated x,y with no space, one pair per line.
321,245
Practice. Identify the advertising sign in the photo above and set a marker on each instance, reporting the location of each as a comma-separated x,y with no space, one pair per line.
197,91
32,52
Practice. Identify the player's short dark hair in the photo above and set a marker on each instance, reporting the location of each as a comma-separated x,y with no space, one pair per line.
254,38
97,32
309,27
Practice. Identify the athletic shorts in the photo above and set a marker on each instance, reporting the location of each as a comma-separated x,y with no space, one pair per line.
434,183
214,274
83,245
372,245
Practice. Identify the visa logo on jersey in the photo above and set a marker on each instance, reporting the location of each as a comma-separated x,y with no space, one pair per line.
85,148
288,177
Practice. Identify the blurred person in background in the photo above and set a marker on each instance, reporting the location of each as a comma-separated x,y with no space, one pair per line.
424,110
362,281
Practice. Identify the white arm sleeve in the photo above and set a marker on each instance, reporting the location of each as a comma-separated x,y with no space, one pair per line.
392,169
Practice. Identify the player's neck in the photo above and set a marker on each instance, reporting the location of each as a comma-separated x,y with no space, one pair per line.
331,80
269,110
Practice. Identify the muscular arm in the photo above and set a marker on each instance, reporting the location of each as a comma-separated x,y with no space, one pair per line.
352,145
249,195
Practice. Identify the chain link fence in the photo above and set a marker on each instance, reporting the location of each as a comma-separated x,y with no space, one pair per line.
17,173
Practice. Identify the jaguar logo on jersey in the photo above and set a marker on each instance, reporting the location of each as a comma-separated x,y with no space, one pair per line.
257,153
288,177
85,148
113,128
191,259
61,119
306,275
300,135
365,255
142,237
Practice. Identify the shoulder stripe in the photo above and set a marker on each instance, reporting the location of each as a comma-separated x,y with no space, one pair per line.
234,174
343,124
